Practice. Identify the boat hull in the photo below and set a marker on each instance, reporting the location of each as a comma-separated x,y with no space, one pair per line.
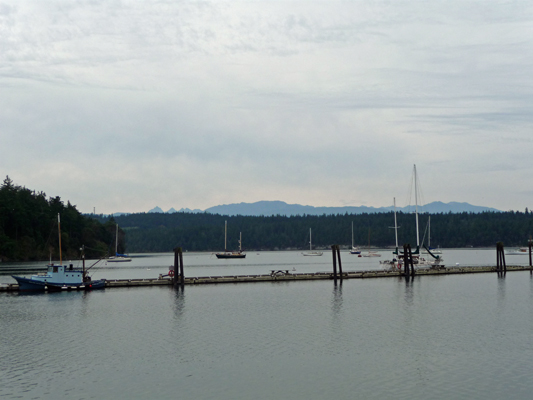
27,284
222,255
118,259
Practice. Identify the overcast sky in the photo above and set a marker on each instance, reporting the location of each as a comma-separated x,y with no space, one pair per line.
120,105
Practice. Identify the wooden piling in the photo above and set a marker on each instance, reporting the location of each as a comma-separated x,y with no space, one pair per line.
501,267
179,276
339,257
408,265
333,252
182,272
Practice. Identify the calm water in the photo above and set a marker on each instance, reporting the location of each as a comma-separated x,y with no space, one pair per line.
446,337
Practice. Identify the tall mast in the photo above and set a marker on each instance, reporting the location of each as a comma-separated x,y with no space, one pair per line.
225,235
310,241
83,260
395,225
116,242
59,230
416,209
429,232
352,234
240,242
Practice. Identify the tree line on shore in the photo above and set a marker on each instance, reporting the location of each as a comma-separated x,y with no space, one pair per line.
157,232
29,228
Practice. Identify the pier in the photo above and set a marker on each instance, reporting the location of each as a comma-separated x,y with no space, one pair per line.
285,275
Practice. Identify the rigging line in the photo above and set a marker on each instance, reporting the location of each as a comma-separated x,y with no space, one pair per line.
409,195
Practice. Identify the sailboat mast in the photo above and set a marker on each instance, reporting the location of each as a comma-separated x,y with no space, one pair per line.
310,241
225,235
240,242
116,242
416,209
59,230
83,261
395,225
429,232
352,234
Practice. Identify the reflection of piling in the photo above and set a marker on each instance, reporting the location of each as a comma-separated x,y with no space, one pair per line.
408,265
335,251
179,276
500,258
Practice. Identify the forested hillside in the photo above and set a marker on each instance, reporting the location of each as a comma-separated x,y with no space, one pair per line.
29,228
153,232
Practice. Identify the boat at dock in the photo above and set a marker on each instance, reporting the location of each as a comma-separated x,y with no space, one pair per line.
418,261
60,277
231,254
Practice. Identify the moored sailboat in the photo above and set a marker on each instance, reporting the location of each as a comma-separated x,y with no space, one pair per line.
311,252
417,259
231,254
354,250
118,257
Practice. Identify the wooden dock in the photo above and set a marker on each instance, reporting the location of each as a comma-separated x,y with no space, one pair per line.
285,275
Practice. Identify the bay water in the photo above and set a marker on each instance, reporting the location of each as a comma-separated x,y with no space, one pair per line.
438,337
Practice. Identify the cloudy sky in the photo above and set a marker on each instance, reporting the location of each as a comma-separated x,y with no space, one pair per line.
120,105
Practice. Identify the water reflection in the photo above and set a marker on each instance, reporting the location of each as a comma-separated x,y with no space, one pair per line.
409,289
179,301
501,287
337,300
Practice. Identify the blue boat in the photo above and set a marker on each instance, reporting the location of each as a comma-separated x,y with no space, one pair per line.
60,277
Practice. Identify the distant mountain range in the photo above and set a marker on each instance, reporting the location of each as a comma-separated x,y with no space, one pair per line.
267,208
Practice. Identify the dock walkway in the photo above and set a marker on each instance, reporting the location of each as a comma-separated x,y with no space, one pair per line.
287,276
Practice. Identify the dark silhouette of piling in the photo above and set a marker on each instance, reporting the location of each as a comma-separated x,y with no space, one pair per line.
339,257
179,276
334,253
408,265
501,267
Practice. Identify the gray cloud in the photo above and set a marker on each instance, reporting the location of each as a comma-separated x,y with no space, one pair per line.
124,105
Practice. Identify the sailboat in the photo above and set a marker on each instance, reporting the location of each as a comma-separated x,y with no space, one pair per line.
118,257
354,250
416,254
60,277
394,262
370,253
231,254
311,252
433,250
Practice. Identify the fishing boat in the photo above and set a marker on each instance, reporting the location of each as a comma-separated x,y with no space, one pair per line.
231,254
118,257
311,252
354,250
60,277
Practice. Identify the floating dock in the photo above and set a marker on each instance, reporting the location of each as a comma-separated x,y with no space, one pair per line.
286,275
